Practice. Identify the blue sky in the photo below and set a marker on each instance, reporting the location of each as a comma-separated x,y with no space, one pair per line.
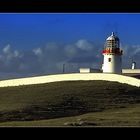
31,30
35,37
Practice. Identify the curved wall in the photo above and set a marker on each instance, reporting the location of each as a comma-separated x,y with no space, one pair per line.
71,77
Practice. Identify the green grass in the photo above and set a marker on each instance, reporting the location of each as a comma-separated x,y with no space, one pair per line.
129,116
36,103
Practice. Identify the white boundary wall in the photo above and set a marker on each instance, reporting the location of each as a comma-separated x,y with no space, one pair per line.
133,71
71,77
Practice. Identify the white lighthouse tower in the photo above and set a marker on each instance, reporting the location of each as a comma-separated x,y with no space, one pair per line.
112,53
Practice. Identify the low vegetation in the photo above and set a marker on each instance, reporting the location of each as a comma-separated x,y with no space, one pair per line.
34,103
129,116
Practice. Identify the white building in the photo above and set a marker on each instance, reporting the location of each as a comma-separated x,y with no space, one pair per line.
89,70
112,62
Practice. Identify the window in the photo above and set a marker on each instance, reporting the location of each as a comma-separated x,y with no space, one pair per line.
109,59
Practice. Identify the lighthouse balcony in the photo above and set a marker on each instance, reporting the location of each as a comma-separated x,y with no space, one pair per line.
117,51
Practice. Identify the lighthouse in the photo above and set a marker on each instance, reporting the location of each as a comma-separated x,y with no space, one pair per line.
112,61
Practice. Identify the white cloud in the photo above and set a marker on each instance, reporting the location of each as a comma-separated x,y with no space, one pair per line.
84,45
47,59
17,54
50,58
38,51
7,49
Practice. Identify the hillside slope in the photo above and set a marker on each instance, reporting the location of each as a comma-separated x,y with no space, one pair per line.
63,99
128,116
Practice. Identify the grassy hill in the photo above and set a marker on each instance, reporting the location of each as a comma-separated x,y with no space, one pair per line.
129,116
48,104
